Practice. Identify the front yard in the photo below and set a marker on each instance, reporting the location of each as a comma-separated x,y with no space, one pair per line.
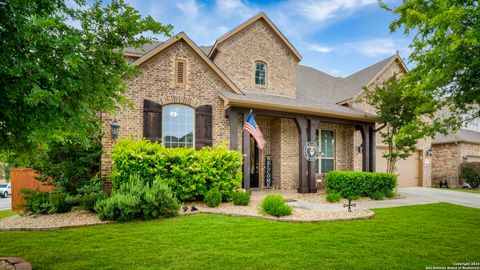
410,237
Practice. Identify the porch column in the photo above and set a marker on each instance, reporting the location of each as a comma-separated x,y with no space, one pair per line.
365,132
303,166
246,152
373,150
233,122
312,165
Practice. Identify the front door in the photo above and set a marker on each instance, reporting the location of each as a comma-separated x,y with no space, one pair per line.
254,166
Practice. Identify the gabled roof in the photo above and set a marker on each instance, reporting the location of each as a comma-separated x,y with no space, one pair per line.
462,135
259,16
131,51
200,53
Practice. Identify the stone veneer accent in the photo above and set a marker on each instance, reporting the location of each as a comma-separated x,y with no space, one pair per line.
156,83
236,57
446,161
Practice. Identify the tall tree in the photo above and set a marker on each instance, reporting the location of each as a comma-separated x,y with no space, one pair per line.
446,50
56,78
406,119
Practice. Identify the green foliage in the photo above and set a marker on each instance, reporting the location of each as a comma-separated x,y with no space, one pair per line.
406,118
70,162
390,194
470,173
55,78
359,184
377,195
88,195
445,49
213,198
189,173
241,197
40,202
275,205
333,197
137,198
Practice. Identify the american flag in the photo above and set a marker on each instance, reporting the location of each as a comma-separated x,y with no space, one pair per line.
252,128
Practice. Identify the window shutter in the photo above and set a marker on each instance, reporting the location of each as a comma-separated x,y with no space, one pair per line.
203,126
152,121
180,72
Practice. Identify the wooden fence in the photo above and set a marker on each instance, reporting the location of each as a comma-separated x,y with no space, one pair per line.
24,179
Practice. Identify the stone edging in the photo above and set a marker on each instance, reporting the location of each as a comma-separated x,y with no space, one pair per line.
55,227
369,215
18,263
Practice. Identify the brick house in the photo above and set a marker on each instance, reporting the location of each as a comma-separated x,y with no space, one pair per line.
195,96
450,151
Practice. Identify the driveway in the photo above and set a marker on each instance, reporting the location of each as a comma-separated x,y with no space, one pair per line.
5,203
410,196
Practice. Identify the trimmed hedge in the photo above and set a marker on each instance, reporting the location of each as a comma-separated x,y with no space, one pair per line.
189,173
470,173
275,205
360,184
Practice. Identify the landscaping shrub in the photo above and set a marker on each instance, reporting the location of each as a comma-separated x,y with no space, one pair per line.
333,197
41,202
359,184
377,195
275,205
213,198
88,195
241,197
189,173
137,198
470,173
390,194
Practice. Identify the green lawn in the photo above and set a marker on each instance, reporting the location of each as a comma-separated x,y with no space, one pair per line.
7,213
410,237
463,190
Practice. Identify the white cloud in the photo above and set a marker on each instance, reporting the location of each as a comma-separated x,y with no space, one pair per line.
376,47
238,8
189,7
320,11
319,48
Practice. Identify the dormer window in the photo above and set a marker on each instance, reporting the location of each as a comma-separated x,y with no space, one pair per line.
260,73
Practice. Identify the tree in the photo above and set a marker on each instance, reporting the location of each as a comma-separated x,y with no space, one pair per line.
406,118
446,51
55,79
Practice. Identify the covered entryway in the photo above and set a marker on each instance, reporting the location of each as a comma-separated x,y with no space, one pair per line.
409,171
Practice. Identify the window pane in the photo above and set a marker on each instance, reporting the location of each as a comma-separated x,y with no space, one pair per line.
260,72
178,125
327,165
327,143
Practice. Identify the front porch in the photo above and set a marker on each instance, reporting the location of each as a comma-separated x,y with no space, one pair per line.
286,135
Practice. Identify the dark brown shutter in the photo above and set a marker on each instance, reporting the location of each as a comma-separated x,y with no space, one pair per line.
203,126
152,121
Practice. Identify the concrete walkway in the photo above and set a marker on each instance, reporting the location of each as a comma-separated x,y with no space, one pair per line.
411,196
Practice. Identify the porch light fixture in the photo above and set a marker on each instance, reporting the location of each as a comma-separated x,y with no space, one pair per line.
429,152
465,158
360,148
115,127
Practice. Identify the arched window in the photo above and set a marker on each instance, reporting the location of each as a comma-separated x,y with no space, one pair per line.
260,73
178,126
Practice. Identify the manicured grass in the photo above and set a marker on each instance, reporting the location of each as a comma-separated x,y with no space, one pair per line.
469,190
7,213
410,237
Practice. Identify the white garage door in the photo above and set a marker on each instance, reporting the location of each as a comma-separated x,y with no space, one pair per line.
408,171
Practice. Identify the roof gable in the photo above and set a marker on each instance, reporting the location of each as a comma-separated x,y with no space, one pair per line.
259,16
198,51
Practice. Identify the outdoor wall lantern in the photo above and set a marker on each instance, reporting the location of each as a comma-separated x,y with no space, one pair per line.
465,158
115,127
429,152
360,148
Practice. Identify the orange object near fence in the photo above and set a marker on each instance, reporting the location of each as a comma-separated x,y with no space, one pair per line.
24,179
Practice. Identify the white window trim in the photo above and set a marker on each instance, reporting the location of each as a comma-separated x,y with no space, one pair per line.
334,158
193,122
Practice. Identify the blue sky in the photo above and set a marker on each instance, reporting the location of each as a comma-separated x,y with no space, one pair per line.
335,36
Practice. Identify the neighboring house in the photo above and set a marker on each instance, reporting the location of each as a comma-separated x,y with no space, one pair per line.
450,151
190,96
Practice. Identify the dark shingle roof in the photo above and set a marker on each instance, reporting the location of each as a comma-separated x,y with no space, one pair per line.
463,135
205,49
145,49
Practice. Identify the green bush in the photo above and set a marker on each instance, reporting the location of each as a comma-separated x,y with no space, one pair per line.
189,173
241,197
41,202
390,194
377,195
275,205
333,197
138,199
88,195
470,173
213,198
359,184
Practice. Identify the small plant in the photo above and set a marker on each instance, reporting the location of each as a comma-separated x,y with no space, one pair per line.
275,205
213,198
333,197
377,195
40,202
390,194
241,197
470,173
